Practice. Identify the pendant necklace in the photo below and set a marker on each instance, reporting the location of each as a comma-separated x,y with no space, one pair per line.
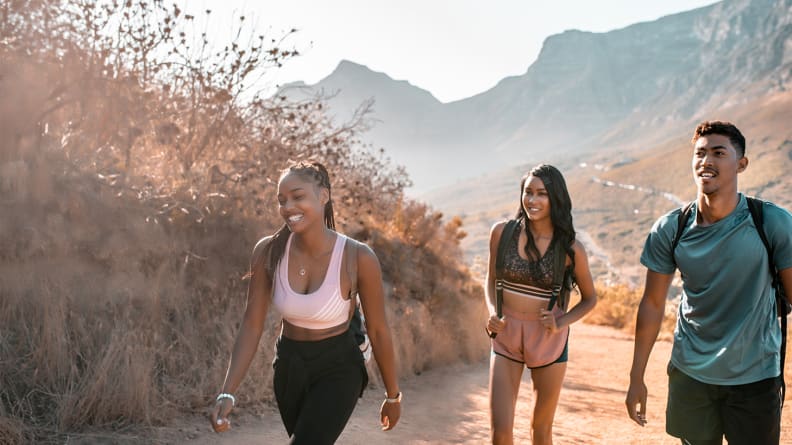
301,271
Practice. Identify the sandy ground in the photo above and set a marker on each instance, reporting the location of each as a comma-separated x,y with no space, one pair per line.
449,405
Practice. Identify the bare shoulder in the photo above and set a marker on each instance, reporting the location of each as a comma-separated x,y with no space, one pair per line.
261,246
579,248
497,228
496,231
364,254
364,251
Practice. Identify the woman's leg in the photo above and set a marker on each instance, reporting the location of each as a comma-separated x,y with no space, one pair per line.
328,405
547,390
504,384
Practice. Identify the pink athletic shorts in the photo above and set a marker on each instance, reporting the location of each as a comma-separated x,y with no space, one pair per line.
525,340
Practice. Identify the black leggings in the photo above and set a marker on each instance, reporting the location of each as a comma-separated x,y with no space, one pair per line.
317,384
702,442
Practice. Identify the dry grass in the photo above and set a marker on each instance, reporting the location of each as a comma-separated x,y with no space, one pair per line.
12,431
617,306
124,245
111,320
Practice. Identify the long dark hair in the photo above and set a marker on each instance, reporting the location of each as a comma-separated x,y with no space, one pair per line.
315,172
560,210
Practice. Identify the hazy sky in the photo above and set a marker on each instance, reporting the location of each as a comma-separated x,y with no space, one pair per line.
453,49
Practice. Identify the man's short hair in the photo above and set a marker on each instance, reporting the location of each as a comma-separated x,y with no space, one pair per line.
724,129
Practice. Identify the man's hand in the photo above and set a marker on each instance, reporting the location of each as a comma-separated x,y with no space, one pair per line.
636,402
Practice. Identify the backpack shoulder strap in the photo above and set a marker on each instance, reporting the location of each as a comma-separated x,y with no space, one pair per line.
756,206
506,236
682,219
559,272
351,252
356,320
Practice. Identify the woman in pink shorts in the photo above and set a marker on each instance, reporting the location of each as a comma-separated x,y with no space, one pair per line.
541,261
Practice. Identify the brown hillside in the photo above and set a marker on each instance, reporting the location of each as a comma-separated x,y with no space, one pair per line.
618,218
618,192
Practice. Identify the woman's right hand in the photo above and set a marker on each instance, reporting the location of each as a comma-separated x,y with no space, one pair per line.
495,324
219,416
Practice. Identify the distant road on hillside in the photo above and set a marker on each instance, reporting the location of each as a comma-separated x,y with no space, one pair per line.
647,190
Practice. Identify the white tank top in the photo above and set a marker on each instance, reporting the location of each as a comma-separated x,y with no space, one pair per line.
323,308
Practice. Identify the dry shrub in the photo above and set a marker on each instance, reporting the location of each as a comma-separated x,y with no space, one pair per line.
617,306
12,431
118,323
132,197
114,321
432,301
118,384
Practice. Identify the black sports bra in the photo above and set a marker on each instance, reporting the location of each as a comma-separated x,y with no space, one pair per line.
519,270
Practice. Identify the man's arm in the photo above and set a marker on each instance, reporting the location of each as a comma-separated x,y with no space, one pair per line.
786,282
650,317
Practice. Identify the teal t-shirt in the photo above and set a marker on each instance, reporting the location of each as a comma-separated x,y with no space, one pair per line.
727,330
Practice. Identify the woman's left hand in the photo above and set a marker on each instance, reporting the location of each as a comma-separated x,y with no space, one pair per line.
219,415
548,320
389,414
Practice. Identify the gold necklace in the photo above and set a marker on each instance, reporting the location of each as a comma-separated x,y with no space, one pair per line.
301,271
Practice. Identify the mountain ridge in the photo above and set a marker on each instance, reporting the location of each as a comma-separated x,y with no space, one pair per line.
586,92
614,99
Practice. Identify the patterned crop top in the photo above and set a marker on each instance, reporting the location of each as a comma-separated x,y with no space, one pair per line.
526,277
323,308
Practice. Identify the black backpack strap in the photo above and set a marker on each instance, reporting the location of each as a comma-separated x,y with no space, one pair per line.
351,252
682,219
559,269
356,321
756,206
506,236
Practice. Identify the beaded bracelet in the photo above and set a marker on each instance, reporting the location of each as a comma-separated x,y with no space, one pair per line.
396,399
225,395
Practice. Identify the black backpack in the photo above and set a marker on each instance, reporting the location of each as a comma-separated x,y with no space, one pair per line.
561,276
357,324
783,306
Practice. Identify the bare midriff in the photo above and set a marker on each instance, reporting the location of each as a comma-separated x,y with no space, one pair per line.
529,307
297,333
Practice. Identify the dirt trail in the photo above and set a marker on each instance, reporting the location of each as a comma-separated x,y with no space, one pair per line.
449,405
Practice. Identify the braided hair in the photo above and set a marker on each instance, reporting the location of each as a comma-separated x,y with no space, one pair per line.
315,172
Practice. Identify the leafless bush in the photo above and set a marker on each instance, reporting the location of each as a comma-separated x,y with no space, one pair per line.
138,169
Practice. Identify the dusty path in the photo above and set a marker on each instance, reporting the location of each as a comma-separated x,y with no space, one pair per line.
449,405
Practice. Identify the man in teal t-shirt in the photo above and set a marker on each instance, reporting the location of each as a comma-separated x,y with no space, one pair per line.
724,369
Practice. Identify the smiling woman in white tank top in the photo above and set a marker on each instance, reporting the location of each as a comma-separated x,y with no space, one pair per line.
321,309
304,271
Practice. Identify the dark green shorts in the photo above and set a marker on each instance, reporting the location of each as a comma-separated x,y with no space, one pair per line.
748,414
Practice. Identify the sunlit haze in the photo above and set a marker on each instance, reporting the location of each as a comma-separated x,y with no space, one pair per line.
453,49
